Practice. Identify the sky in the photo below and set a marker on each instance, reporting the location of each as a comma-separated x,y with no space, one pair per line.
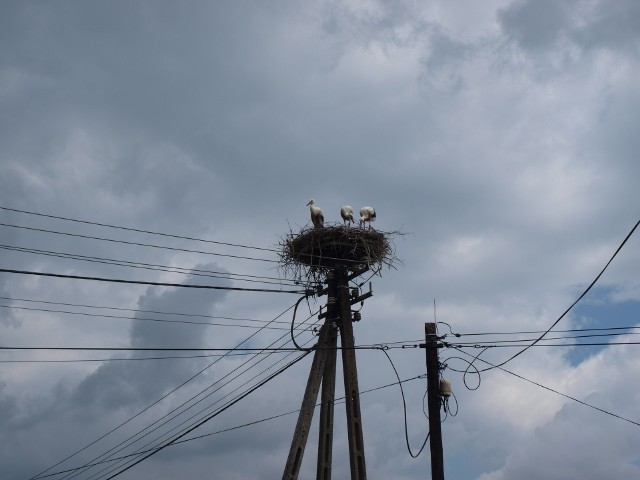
497,137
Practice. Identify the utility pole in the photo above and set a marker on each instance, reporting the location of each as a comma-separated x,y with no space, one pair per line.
351,390
323,372
433,398
325,433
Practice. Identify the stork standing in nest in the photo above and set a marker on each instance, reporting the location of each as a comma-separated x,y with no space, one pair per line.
317,218
367,214
346,213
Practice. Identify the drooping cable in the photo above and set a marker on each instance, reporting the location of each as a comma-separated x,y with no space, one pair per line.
404,406
293,320
595,280
556,391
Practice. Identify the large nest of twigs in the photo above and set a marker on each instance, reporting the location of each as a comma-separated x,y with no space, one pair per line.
314,251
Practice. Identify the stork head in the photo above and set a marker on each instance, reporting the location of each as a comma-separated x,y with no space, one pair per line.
311,202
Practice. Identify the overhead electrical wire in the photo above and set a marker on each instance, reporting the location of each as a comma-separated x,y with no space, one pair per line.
156,402
154,267
138,244
155,233
491,345
595,280
178,349
141,282
120,309
137,230
336,401
118,448
170,393
555,391
140,319
526,332
404,407
133,359
211,416
201,411
546,339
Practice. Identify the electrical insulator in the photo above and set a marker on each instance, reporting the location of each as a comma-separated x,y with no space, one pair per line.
331,301
354,293
357,316
445,388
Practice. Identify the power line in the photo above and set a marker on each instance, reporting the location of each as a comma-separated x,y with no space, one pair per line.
555,391
181,314
139,244
192,417
593,335
336,401
148,407
493,345
192,398
213,415
130,440
165,349
140,282
133,359
524,332
141,319
136,229
152,266
574,303
201,421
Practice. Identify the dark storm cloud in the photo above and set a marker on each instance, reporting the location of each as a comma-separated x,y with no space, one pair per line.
120,383
537,25
541,25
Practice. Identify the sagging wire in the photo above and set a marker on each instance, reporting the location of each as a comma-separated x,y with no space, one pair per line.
293,321
383,349
450,329
465,372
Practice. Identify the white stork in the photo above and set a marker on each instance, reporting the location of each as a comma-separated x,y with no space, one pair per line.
316,214
367,214
346,213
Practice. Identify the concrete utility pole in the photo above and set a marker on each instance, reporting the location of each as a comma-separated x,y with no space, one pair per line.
351,390
323,370
433,398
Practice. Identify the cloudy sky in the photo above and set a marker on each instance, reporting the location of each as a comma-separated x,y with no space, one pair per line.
499,136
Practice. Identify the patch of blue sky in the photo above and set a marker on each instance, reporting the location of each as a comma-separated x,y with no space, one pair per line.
599,310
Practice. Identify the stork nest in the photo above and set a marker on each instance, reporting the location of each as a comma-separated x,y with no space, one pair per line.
310,254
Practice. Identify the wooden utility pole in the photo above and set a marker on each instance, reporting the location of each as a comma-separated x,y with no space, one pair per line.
433,398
